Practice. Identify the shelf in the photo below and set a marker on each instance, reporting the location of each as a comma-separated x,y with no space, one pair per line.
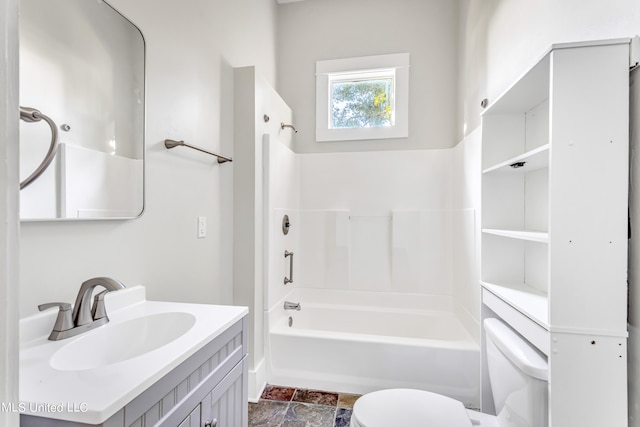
530,90
531,236
527,300
535,159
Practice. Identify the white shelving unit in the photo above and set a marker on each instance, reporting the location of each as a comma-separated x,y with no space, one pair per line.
554,224
532,236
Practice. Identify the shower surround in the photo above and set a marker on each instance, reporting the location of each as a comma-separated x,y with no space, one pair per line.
387,237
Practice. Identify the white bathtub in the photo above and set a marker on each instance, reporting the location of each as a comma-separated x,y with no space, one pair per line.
357,342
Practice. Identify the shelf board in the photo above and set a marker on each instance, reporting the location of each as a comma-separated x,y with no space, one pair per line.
531,236
535,159
529,301
528,91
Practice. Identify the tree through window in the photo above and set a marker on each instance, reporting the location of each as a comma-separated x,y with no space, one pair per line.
362,100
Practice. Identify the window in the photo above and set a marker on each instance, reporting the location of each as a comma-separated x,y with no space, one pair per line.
362,98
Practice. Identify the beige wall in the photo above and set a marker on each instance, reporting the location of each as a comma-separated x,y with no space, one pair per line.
501,39
314,30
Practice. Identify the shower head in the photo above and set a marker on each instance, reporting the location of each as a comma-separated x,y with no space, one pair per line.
282,126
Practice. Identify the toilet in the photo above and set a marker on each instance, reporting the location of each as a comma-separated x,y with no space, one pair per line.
519,377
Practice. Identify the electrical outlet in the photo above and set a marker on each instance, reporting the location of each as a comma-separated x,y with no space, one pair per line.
202,227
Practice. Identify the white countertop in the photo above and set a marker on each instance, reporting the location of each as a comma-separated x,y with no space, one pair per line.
93,395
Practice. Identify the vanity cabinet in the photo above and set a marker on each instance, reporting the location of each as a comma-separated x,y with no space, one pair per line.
555,224
225,405
209,389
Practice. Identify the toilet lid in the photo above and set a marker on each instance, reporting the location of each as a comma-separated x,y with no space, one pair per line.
408,408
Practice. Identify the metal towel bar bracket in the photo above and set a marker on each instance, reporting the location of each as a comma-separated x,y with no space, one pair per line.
170,143
31,115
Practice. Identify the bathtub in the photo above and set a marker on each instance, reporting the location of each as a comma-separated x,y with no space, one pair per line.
357,342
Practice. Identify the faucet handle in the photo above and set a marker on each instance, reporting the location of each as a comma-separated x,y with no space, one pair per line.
64,320
98,310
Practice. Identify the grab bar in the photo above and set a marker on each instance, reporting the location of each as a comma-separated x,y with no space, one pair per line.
31,115
290,278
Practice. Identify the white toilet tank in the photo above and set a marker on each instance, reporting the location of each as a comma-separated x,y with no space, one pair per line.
519,377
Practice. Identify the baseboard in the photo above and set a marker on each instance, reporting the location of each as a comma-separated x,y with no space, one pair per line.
257,381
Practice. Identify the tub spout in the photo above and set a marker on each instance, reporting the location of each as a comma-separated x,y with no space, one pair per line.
292,306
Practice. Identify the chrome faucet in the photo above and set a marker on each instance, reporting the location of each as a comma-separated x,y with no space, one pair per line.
84,317
292,306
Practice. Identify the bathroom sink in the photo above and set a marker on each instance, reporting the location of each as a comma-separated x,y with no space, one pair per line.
118,342
106,368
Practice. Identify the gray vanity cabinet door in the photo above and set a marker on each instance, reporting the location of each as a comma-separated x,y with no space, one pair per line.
193,420
226,405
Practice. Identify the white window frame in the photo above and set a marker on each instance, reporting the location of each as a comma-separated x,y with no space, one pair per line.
325,69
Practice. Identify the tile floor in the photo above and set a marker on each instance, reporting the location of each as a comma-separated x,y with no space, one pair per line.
290,407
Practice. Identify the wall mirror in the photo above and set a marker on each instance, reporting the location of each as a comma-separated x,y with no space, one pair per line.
81,65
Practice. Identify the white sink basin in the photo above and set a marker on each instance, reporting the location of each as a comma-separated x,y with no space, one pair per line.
122,341
106,368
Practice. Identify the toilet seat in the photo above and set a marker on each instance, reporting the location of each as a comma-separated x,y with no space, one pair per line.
408,408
